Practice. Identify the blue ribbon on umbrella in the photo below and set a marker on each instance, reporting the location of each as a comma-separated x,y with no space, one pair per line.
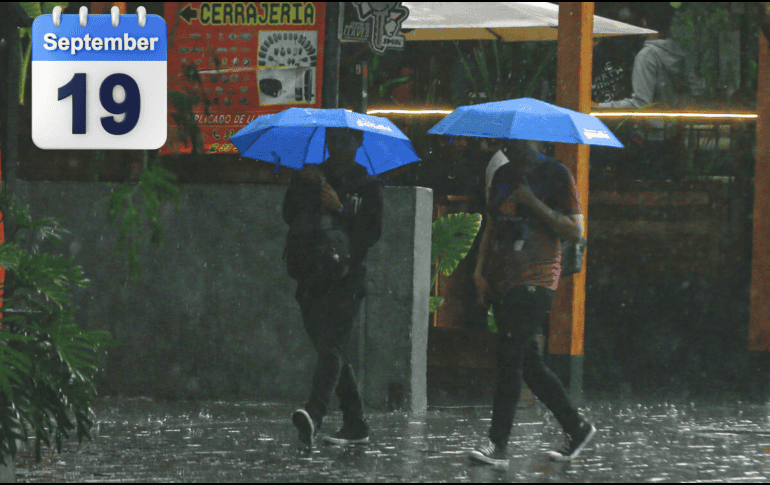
277,161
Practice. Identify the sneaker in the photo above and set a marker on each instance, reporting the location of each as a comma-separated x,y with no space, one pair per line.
575,443
305,425
491,454
349,435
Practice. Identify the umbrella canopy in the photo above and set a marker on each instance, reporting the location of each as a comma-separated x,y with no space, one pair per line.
506,21
297,136
526,119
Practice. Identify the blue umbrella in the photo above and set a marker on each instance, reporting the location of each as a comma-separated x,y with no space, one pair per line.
526,119
297,136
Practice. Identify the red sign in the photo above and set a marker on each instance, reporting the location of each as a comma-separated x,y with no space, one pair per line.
252,59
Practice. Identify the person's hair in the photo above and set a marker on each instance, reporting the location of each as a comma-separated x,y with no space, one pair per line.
522,149
357,134
513,147
659,16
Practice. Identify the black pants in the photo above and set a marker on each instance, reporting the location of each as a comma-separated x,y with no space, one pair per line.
520,316
329,316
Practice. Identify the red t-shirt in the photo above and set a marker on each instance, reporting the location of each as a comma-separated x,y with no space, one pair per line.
527,251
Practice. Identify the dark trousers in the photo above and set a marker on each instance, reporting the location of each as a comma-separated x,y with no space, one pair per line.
329,316
520,316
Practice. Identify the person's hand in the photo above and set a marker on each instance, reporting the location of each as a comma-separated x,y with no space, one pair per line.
482,291
329,200
523,195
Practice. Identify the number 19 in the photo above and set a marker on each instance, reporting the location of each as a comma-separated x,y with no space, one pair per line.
131,106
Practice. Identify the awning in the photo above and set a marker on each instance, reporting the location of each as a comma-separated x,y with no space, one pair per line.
506,21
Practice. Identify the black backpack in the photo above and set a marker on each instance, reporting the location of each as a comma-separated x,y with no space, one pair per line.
317,247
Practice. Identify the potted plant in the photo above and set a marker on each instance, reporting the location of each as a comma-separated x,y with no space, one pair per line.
47,361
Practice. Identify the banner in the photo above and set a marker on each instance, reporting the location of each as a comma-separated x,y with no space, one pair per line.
252,59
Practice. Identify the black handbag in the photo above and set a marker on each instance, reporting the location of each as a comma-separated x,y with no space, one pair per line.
572,256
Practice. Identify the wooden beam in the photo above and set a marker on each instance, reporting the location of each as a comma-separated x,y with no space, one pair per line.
573,91
759,323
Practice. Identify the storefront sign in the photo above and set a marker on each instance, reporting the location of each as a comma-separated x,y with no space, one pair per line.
252,59
377,23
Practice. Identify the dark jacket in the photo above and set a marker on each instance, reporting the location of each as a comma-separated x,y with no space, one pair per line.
362,213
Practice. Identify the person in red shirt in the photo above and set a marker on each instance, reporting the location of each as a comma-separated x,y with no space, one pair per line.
533,203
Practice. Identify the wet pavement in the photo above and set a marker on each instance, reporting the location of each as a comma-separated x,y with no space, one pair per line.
155,441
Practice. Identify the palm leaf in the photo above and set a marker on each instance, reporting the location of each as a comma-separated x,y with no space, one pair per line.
13,363
481,63
431,96
534,80
498,73
467,68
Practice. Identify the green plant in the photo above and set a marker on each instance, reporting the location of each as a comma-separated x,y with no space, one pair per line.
491,321
155,185
702,21
507,70
135,205
33,9
453,236
47,362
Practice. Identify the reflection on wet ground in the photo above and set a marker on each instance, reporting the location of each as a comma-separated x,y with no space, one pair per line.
144,440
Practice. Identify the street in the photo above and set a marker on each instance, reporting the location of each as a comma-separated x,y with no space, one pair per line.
153,441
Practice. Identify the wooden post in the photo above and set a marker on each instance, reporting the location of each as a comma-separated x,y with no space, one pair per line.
573,91
759,322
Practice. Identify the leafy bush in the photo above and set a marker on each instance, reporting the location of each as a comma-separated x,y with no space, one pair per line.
701,22
34,10
156,185
47,362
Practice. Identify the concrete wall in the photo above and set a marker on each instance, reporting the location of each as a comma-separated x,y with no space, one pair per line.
214,316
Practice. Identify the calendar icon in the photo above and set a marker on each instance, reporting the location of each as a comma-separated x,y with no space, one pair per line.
99,81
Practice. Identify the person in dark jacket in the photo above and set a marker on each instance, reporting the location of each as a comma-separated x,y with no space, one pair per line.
662,75
329,311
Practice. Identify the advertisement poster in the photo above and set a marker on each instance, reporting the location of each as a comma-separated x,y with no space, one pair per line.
252,58
377,23
353,28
